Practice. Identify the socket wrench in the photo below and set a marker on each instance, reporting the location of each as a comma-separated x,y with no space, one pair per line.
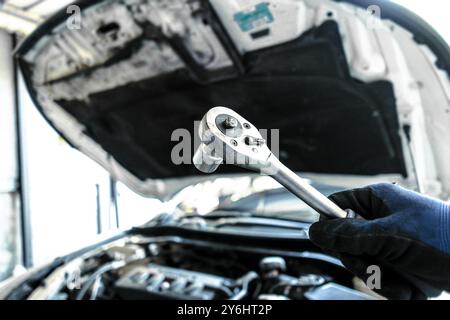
226,137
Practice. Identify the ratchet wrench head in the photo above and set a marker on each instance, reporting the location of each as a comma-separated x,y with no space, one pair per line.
228,137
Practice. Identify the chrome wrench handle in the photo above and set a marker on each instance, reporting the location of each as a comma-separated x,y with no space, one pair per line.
303,190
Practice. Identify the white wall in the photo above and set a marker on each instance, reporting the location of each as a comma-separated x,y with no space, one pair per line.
61,191
60,188
435,12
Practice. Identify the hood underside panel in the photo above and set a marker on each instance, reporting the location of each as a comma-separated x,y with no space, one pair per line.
328,122
302,88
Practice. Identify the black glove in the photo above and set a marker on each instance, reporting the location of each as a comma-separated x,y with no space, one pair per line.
405,234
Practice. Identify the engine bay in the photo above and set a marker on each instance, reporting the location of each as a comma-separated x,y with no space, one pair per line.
168,267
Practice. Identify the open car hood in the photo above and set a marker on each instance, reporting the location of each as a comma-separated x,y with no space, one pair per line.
349,93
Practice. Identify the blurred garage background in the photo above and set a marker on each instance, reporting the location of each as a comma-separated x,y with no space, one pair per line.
37,191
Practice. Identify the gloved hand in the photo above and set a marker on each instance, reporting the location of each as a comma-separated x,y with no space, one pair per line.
405,233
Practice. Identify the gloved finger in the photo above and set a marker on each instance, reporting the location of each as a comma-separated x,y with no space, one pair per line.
353,236
363,201
412,260
388,284
355,264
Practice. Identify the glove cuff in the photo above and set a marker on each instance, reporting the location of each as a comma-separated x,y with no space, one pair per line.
445,227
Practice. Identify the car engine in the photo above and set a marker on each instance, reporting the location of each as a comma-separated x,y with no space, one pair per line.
169,267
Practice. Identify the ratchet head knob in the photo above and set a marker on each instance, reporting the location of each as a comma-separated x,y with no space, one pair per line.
205,157
204,160
228,137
